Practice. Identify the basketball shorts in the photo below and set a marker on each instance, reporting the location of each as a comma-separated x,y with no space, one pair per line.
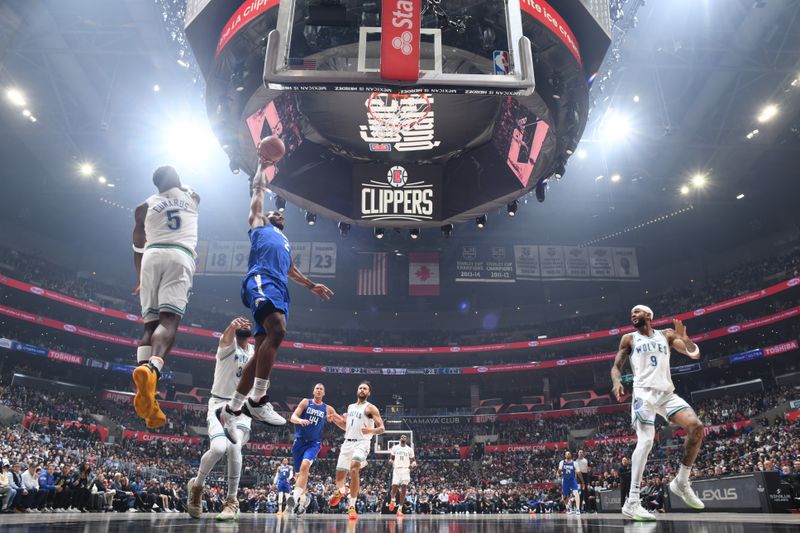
165,282
353,450
647,403
263,296
304,450
401,476
569,485
215,430
284,487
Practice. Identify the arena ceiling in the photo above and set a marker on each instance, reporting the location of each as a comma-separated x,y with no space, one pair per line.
701,70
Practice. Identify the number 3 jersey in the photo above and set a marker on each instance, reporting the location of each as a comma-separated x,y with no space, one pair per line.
230,363
650,361
172,219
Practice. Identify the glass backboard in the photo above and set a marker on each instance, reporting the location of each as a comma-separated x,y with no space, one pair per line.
465,46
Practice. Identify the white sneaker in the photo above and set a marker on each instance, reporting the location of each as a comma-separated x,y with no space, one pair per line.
227,418
263,412
634,510
685,492
230,511
577,513
291,504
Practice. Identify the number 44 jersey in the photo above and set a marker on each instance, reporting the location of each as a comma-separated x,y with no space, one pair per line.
172,219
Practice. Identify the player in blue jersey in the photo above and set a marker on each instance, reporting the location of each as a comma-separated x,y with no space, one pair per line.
265,291
309,418
283,475
569,484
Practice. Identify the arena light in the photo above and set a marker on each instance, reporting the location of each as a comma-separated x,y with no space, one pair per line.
685,190
156,88
481,221
636,98
233,166
102,180
378,232
616,126
767,113
447,230
582,154
344,229
413,233
559,169
541,189
280,204
16,97
752,133
26,113
615,178
311,218
86,169
512,208
699,181
740,196
189,143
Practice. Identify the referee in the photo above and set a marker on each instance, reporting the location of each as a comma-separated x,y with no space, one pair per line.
582,464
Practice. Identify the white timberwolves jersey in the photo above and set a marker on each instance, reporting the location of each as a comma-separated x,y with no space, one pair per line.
356,419
402,455
228,370
172,219
650,362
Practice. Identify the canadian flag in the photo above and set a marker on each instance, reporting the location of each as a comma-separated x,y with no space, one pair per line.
423,274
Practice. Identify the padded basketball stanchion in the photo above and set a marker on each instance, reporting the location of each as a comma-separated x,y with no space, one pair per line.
400,40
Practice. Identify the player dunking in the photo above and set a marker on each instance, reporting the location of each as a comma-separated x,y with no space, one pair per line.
283,475
653,393
265,291
232,354
363,421
309,418
568,471
402,461
164,241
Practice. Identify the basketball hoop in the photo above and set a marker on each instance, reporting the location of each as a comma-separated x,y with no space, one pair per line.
393,113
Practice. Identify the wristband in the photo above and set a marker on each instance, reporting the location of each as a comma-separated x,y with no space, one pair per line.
138,250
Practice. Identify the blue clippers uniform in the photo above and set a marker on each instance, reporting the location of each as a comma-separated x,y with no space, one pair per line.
308,439
284,474
569,481
265,288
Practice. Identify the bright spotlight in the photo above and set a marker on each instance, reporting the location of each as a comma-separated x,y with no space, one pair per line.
16,97
189,143
86,169
740,196
616,126
615,178
26,112
414,233
767,113
699,181
685,190
636,98
280,204
311,218
378,233
582,154
102,179
156,88
481,221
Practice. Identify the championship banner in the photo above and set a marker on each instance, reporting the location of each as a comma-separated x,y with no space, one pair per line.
526,258
493,264
601,262
551,259
567,339
576,262
423,274
231,257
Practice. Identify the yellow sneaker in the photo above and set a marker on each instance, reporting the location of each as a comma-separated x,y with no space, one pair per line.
145,379
400,513
352,514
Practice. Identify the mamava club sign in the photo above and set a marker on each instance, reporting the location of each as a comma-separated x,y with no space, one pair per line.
406,192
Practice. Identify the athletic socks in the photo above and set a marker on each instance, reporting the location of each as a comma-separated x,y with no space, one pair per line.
260,387
297,492
237,401
143,354
683,474
157,362
351,500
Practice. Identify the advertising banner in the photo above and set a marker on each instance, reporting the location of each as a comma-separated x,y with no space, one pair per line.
610,500
405,193
732,494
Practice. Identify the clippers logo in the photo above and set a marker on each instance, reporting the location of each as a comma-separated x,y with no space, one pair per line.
403,43
397,199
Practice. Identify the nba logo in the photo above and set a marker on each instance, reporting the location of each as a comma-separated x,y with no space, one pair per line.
501,62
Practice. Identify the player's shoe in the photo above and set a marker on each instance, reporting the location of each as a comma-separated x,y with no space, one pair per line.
400,513
227,419
231,510
352,514
635,511
302,505
263,411
194,503
291,504
391,506
578,512
145,377
337,497
684,490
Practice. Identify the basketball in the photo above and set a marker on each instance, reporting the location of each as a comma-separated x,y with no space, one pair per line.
271,149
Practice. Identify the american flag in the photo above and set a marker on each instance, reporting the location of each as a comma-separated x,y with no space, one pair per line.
299,63
372,274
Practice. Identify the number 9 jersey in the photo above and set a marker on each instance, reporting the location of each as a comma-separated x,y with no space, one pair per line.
650,362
